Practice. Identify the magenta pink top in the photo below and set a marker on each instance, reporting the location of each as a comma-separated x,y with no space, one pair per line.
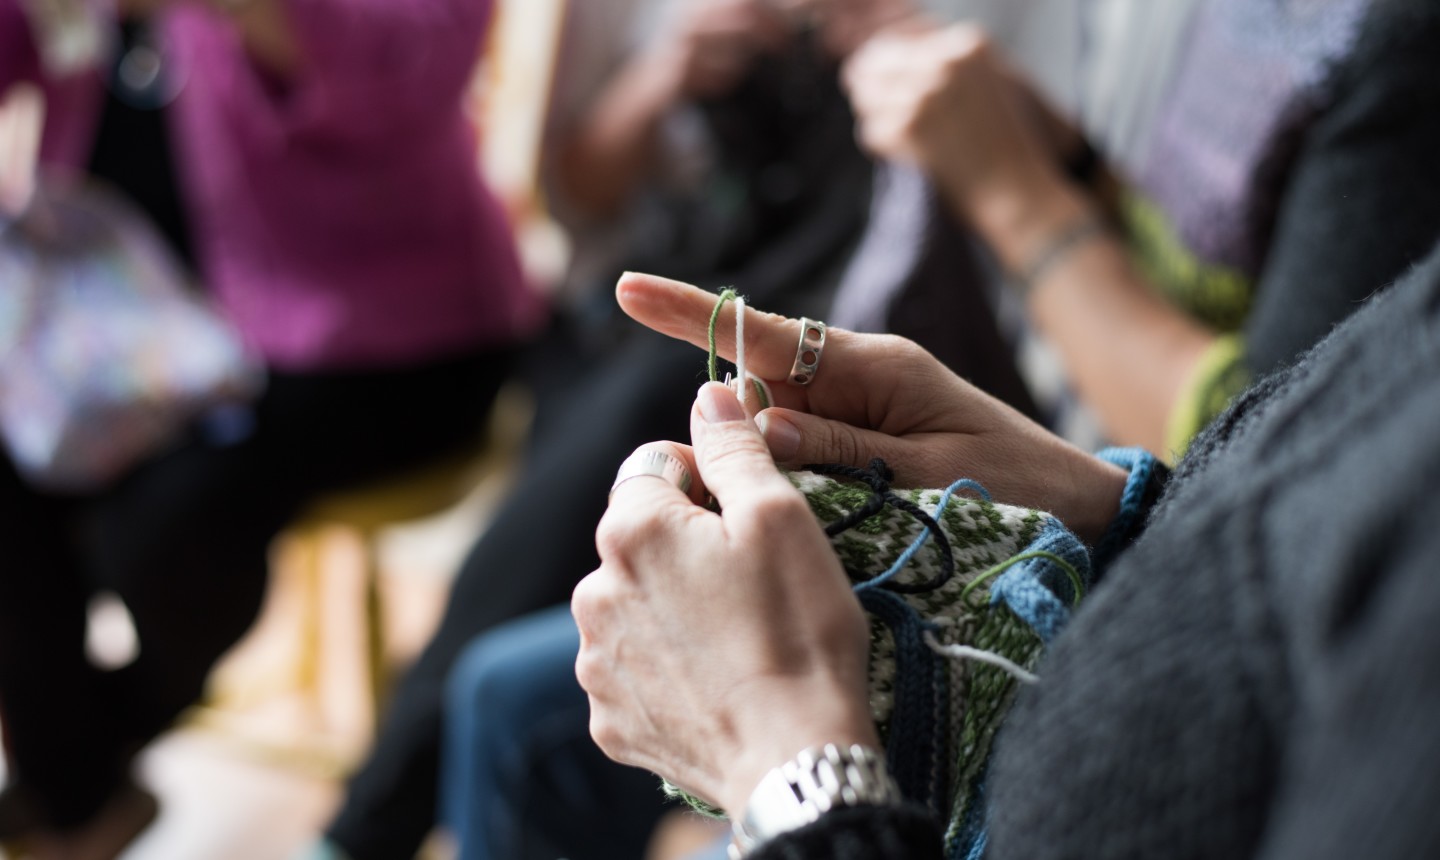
71,104
340,217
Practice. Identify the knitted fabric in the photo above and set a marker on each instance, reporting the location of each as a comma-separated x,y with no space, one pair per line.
1015,576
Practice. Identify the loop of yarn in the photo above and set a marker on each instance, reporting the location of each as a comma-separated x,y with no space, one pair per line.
726,295
1076,581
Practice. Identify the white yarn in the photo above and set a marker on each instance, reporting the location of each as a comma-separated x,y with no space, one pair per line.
966,652
744,380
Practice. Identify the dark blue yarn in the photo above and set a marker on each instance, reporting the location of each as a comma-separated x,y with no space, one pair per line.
970,842
910,551
878,478
915,740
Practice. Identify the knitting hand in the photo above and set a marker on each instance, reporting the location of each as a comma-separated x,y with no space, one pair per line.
942,99
711,45
717,646
884,396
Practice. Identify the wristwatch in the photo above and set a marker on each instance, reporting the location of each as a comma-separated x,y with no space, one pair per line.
814,782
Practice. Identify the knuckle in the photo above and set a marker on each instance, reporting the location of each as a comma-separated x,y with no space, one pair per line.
620,532
606,734
900,352
727,447
589,671
597,597
586,600
778,510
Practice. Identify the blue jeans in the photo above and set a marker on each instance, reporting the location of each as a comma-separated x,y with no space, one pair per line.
520,776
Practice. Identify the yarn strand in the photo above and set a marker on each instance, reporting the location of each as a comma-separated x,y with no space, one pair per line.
1075,581
726,295
980,655
915,545
878,478
743,388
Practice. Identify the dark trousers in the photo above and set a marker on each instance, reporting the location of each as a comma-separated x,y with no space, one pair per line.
540,544
183,540
522,780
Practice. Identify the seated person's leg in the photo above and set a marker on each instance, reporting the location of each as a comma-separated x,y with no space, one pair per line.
521,777
538,546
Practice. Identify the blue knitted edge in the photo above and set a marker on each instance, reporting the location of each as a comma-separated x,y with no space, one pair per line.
1141,465
1038,590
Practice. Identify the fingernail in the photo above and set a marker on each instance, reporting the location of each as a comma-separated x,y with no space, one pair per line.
718,404
781,436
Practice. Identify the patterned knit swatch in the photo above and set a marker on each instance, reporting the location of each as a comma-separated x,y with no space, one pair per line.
1015,576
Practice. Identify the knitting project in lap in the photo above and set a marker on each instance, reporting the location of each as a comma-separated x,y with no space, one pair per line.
1012,577
958,618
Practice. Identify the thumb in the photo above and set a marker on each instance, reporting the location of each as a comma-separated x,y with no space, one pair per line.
797,438
731,455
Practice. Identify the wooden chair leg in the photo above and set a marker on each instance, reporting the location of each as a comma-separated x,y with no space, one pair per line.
375,625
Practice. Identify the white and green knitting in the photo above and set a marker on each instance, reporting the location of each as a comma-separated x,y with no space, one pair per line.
955,624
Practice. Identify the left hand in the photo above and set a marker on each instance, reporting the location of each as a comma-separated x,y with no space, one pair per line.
883,396
717,646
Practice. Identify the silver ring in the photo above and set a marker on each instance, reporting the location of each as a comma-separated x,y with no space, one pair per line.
808,351
656,464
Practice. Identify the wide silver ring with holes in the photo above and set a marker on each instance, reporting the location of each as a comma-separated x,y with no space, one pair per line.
808,351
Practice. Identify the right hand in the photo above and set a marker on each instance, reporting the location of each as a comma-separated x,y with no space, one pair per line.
710,46
884,396
944,100
716,645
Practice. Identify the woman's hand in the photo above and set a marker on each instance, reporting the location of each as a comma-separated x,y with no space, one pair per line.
717,646
943,99
883,396
711,45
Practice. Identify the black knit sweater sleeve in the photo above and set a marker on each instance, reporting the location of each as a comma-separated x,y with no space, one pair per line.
1360,776
860,833
1360,205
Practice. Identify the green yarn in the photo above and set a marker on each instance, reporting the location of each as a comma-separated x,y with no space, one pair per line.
726,295
1075,581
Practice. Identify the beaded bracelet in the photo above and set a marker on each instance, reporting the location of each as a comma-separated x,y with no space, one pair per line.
1079,233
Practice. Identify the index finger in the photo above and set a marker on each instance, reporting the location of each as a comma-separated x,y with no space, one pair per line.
683,312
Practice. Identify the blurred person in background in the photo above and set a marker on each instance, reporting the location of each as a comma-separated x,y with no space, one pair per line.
329,192
1233,202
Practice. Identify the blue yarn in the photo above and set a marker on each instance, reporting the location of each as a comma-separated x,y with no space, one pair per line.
974,834
1036,589
1141,465
905,557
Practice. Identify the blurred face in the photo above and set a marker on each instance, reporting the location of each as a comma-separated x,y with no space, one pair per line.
845,24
